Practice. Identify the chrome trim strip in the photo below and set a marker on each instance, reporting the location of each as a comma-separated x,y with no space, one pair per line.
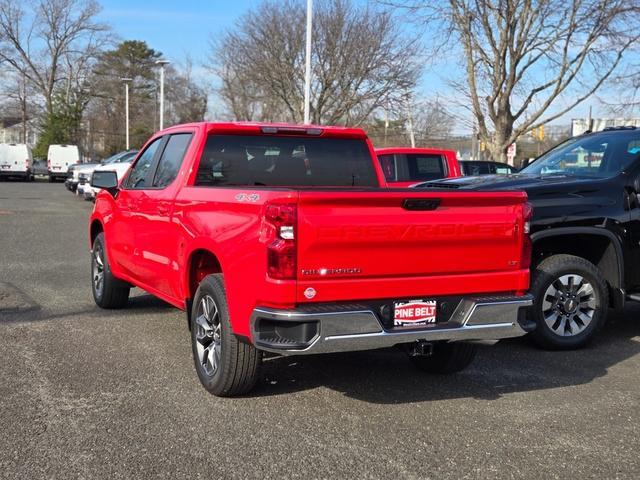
475,319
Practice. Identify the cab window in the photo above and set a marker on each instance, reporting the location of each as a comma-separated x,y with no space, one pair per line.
171,159
139,175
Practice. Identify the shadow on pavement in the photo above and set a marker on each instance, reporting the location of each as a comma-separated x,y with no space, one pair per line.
138,305
387,376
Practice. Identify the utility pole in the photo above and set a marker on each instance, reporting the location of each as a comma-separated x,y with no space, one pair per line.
474,137
386,123
126,110
23,104
307,69
162,63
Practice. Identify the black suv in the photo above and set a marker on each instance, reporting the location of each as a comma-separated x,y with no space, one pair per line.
585,231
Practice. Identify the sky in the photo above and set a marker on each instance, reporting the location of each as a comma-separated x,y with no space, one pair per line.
173,27
180,28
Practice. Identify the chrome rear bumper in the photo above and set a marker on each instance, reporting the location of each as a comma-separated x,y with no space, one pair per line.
356,327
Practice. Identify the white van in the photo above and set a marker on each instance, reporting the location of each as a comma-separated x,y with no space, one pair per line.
59,158
16,160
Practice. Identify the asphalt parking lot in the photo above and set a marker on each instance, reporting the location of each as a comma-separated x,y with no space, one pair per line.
94,394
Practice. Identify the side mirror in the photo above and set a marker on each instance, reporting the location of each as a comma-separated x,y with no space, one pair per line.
106,180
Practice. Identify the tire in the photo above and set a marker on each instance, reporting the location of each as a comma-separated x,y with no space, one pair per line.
225,366
108,291
446,358
570,303
50,179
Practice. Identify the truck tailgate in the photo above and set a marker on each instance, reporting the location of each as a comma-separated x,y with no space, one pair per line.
399,244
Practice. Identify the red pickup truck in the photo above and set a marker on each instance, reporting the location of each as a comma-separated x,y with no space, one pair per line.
279,238
404,166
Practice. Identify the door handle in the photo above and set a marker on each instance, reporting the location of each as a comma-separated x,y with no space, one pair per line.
163,210
421,203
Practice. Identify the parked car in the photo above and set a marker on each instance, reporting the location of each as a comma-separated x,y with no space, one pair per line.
403,167
16,161
585,231
473,168
73,174
40,167
59,158
119,163
278,238
79,175
71,181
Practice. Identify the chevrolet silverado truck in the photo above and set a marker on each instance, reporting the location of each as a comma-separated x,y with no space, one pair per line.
285,239
404,166
585,231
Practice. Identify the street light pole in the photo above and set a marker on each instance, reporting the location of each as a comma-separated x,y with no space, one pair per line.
162,63
126,110
412,136
307,70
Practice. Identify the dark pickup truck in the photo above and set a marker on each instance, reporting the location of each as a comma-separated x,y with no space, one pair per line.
585,231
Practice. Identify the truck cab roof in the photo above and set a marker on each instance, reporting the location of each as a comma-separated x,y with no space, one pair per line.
262,128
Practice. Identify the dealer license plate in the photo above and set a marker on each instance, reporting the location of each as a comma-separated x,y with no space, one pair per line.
414,313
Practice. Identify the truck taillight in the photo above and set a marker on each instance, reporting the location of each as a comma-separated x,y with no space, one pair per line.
281,252
527,246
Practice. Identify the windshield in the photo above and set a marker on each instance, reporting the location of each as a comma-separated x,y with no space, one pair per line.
599,155
127,157
120,157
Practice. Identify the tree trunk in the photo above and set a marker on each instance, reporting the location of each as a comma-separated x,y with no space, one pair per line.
497,147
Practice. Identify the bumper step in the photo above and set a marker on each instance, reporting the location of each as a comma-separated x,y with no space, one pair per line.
341,328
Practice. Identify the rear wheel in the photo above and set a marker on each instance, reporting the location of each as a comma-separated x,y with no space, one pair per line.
108,291
446,358
225,366
570,302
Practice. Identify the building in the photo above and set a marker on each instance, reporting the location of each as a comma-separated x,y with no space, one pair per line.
581,125
12,131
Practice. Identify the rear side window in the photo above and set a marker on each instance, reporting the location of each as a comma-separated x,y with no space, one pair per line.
263,160
503,170
475,168
425,167
388,165
410,167
171,159
138,178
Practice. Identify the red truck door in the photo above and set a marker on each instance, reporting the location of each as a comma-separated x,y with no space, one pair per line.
155,236
121,241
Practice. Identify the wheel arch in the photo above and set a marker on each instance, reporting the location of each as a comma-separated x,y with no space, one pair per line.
95,228
597,245
200,263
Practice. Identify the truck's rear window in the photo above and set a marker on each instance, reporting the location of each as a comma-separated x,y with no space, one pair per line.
264,160
406,168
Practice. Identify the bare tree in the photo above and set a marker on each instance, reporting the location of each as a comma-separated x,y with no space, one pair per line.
528,62
361,61
46,43
186,98
432,121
